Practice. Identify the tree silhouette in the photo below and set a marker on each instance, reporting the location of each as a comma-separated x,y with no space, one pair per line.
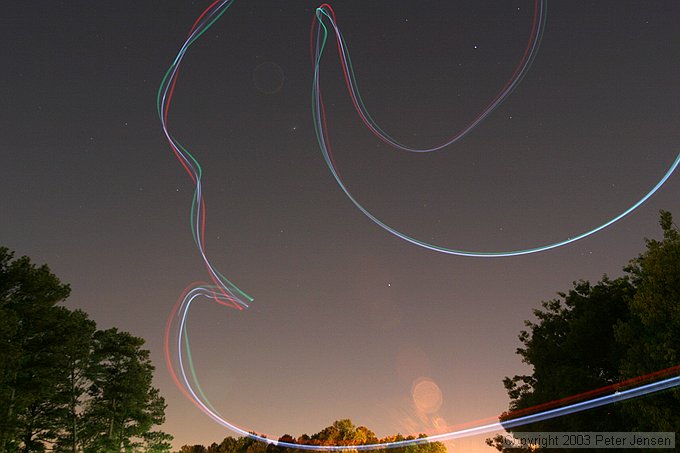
596,335
63,384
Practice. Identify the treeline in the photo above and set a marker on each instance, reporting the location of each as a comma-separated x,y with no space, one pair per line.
596,335
341,432
64,385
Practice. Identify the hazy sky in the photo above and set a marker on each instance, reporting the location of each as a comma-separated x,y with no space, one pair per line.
347,320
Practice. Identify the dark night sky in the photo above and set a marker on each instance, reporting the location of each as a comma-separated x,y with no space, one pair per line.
345,316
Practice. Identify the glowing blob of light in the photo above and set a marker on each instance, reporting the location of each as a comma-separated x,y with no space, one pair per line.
426,395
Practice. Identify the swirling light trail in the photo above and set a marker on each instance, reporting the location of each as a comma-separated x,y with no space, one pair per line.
224,292
325,14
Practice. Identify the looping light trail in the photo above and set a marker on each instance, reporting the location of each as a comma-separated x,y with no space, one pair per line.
224,292
324,16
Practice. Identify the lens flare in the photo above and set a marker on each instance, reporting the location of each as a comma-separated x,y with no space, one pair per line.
427,396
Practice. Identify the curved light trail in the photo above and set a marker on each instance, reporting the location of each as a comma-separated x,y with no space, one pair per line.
325,14
228,294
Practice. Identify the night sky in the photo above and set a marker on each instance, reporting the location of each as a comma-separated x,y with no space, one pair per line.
347,319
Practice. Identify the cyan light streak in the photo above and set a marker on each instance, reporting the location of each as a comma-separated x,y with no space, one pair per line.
325,14
223,292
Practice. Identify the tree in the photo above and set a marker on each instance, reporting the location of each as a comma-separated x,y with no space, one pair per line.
124,404
27,296
157,442
59,375
652,335
229,445
601,334
572,350
76,352
364,435
193,449
52,377
340,432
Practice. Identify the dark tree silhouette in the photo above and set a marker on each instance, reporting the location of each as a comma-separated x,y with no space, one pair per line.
601,334
28,295
63,384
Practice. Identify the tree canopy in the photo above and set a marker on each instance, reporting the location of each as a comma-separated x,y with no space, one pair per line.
600,334
64,385
340,432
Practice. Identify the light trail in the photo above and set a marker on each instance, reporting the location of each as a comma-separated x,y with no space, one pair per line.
325,14
228,294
